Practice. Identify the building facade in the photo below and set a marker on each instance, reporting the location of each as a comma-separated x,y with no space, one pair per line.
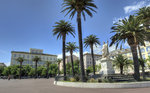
2,64
68,60
28,56
87,57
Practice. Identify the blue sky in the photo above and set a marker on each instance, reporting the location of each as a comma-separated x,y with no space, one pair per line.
28,24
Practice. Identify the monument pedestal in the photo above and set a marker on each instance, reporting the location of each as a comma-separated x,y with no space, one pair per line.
106,67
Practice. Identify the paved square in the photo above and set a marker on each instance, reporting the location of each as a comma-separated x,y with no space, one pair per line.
46,86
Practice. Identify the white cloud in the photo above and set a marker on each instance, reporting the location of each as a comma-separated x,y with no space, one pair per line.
7,63
115,20
136,6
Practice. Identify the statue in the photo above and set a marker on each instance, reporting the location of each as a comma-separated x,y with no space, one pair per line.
106,62
105,51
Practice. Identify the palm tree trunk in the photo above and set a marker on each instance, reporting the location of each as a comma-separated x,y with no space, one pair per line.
20,70
121,69
92,53
78,69
64,56
80,46
136,63
35,69
143,70
72,63
58,69
47,70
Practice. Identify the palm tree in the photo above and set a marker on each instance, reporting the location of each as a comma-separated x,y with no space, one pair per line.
62,29
92,40
47,65
79,7
141,60
20,60
120,62
78,63
58,62
144,14
36,59
133,32
71,47
142,63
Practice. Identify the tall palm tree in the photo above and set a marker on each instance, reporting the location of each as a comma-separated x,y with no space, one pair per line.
144,14
79,7
47,65
71,47
62,29
36,59
78,63
141,61
142,64
92,40
120,62
20,60
58,62
133,32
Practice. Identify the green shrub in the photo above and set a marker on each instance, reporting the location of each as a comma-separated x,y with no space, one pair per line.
92,80
72,79
99,80
107,80
77,78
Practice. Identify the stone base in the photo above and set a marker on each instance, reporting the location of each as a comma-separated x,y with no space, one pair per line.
106,67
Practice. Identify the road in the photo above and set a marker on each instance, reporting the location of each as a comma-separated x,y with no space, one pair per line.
46,86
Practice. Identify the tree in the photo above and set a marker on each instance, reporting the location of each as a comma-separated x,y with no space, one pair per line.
71,47
47,65
58,63
120,62
36,59
1,70
92,40
89,70
62,29
32,72
79,7
27,69
39,70
77,62
44,70
141,60
20,60
144,15
6,71
142,64
133,32
53,69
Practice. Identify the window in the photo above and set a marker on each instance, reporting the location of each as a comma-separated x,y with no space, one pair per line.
148,48
27,56
23,56
142,50
144,56
14,55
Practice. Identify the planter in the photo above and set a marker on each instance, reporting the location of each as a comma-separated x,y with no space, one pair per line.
103,85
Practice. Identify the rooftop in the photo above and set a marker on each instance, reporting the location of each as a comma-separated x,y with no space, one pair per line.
32,53
2,64
94,54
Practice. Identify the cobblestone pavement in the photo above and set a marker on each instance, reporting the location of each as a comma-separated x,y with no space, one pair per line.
46,86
